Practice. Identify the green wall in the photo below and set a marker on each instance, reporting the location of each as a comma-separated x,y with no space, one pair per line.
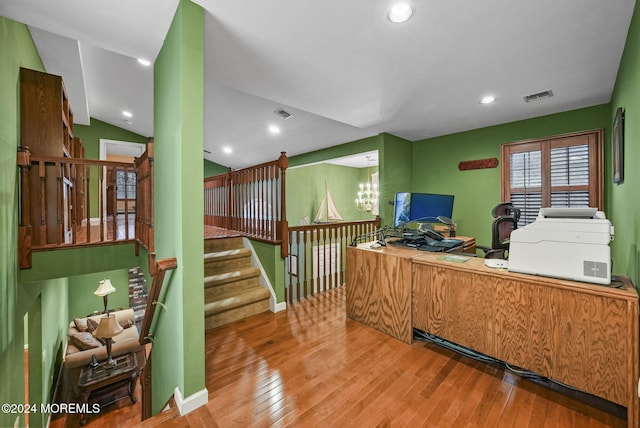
623,202
79,261
306,189
269,256
394,166
478,191
178,352
90,136
395,173
44,303
346,149
82,301
212,168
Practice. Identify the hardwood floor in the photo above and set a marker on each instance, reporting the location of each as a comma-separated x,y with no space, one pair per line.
125,229
310,366
218,232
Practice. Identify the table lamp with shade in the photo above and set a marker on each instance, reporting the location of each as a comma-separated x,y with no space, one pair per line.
108,328
104,289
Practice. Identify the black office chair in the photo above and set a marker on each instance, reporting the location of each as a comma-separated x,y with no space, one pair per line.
505,221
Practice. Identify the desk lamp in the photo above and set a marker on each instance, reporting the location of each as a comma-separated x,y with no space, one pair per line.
104,289
108,328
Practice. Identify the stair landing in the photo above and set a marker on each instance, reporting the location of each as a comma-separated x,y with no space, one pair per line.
232,285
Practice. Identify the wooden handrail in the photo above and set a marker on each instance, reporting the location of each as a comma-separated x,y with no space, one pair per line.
162,266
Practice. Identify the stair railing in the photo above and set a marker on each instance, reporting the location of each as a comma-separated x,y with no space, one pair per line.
250,201
317,256
59,207
144,199
146,338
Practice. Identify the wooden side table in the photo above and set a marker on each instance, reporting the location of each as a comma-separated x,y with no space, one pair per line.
100,381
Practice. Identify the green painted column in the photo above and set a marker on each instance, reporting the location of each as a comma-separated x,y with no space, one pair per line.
178,352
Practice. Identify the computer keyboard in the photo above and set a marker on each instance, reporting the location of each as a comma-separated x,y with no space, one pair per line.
428,244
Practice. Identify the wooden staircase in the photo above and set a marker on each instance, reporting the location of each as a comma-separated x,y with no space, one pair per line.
232,289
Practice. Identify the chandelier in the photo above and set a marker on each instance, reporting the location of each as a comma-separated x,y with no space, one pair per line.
367,193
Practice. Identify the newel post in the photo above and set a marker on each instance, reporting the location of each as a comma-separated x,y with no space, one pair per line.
23,161
283,164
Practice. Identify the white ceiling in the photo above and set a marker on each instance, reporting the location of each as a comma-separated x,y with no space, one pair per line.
339,67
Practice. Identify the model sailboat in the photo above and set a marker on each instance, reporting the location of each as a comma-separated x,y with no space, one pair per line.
328,212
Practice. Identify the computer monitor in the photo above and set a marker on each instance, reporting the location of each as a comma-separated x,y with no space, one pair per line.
421,206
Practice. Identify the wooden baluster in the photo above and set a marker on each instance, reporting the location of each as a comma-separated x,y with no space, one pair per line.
126,206
102,187
60,195
255,203
260,229
269,215
251,218
334,259
306,248
342,245
25,228
43,203
245,199
326,250
111,176
289,288
283,164
87,200
74,201
327,258
139,202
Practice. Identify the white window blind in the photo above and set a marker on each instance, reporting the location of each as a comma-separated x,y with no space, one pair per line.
561,172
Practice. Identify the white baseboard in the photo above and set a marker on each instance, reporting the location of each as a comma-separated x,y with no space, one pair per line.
277,307
192,402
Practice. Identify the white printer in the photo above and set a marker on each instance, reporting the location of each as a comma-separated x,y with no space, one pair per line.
568,243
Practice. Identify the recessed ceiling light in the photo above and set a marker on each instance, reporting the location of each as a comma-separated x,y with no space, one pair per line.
126,113
273,129
487,100
144,62
400,12
228,150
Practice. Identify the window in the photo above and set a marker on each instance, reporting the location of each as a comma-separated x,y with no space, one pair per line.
125,184
564,171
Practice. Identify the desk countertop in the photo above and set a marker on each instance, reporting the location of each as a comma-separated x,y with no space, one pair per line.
476,265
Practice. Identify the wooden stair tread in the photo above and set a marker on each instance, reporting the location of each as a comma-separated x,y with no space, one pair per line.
233,300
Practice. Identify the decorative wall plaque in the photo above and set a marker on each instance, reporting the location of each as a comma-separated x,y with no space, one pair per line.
478,164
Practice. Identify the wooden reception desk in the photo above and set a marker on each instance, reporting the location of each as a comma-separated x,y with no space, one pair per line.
580,334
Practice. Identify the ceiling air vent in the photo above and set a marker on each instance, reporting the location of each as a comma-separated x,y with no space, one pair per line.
538,96
283,113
